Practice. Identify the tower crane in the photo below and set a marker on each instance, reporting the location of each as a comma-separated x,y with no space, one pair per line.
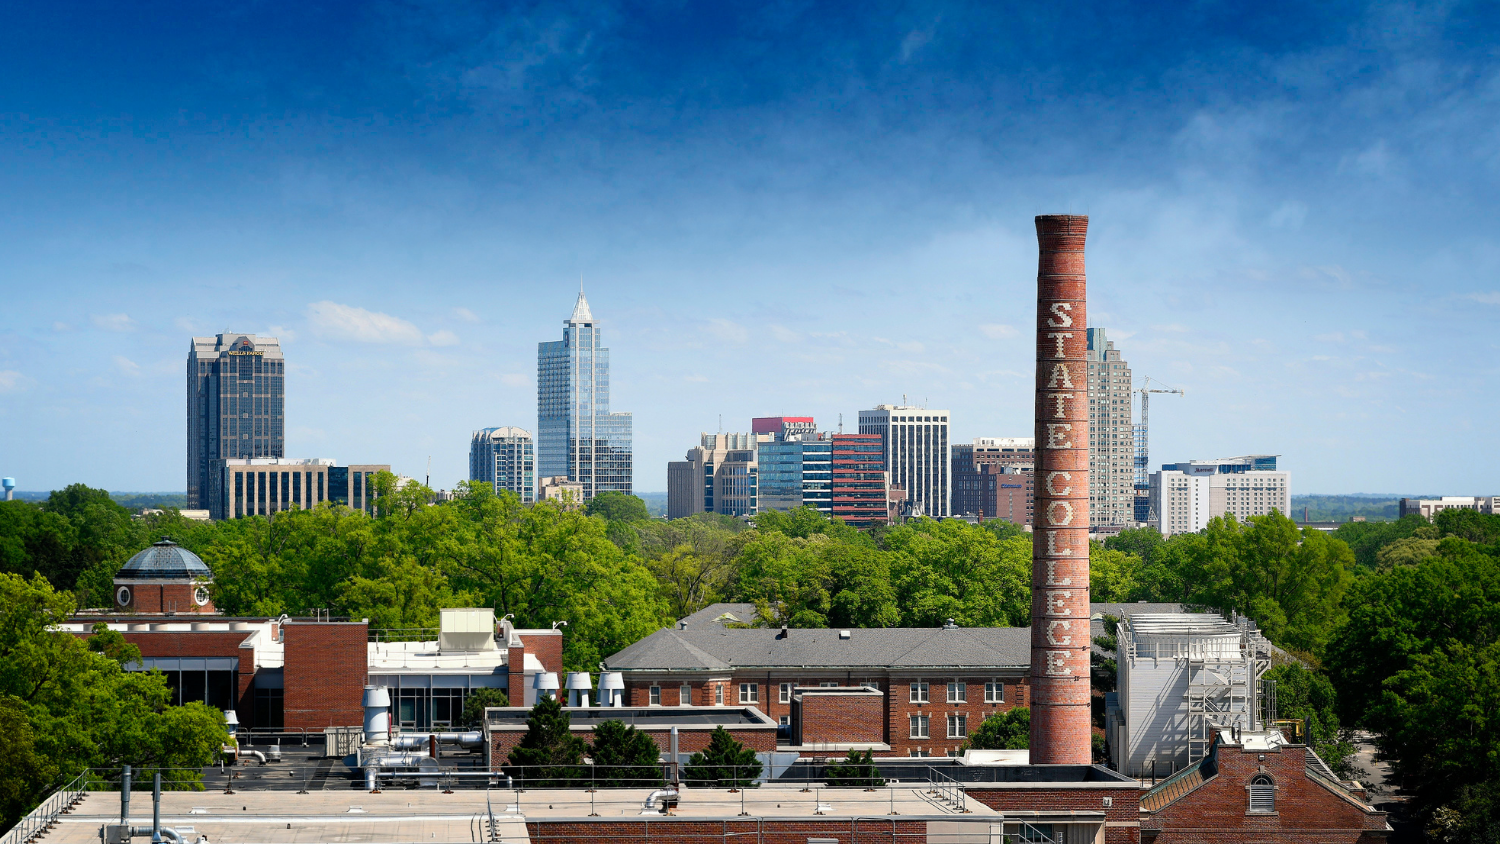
1142,445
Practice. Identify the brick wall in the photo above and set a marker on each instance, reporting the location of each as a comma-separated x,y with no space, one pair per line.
900,708
1121,817
547,647
199,643
669,830
839,718
895,724
1305,811
325,674
159,597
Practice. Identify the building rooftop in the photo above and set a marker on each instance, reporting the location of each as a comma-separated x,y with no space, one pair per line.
720,614
716,648
166,560
641,717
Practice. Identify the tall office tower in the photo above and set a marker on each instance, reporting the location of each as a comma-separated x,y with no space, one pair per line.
859,486
1111,435
577,436
235,405
503,458
978,489
916,452
718,476
795,470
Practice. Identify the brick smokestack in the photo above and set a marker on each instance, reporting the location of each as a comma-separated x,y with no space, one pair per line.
1060,725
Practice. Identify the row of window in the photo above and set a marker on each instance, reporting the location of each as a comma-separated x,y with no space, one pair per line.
958,726
919,691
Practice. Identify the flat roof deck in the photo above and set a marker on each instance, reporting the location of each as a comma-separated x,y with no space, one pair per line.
285,817
514,717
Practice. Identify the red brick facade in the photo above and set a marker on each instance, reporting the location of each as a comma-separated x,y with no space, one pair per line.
194,643
159,596
1218,810
837,716
546,646
689,739
325,673
896,727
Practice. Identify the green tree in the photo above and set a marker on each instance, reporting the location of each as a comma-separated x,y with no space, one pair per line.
472,717
1142,542
1308,695
624,757
857,769
1405,552
725,763
549,755
1008,730
616,506
1113,575
951,569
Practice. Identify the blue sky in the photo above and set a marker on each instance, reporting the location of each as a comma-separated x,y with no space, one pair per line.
793,208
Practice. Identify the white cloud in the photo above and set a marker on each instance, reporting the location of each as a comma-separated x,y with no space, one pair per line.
466,315
60,327
281,332
351,323
729,332
1173,328
113,322
998,331
695,379
910,346
785,335
127,366
514,379
1335,337
443,338
1486,298
10,380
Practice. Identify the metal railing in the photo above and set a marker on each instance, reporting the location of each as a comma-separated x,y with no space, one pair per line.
404,634
44,817
947,789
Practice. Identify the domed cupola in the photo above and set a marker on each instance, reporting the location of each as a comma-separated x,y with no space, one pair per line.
164,578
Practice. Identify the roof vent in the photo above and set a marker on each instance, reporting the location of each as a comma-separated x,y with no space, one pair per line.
950,624
682,625
843,634
782,634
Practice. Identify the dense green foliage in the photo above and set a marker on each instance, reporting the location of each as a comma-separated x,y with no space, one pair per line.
624,757
1009,730
725,763
472,717
857,769
549,755
67,704
1307,695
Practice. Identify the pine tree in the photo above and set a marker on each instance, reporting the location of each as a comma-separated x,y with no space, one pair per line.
549,756
725,763
624,757
856,770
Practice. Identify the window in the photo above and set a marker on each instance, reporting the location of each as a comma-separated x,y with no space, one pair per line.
994,692
786,692
749,693
656,695
918,754
1262,795
827,685
958,726
958,691
685,695
918,691
718,694
918,726
785,720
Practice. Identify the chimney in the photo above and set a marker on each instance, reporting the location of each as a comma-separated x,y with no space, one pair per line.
1060,733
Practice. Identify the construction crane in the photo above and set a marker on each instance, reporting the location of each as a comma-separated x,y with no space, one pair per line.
1142,447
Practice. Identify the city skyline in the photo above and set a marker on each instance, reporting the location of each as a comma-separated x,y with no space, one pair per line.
813,213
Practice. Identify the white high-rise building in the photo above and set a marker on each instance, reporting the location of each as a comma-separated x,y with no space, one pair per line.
1186,495
504,457
1111,435
916,452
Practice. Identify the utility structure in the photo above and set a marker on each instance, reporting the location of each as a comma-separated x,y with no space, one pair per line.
1143,451
1060,707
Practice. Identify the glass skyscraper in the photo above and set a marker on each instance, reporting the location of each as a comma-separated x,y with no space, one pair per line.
236,406
577,436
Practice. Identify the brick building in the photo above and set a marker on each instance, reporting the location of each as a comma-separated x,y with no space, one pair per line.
992,478
859,479
929,687
505,726
1256,786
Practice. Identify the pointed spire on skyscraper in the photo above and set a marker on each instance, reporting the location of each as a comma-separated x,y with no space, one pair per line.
581,310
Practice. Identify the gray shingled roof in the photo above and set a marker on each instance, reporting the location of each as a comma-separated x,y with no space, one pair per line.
714,648
166,560
719,614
